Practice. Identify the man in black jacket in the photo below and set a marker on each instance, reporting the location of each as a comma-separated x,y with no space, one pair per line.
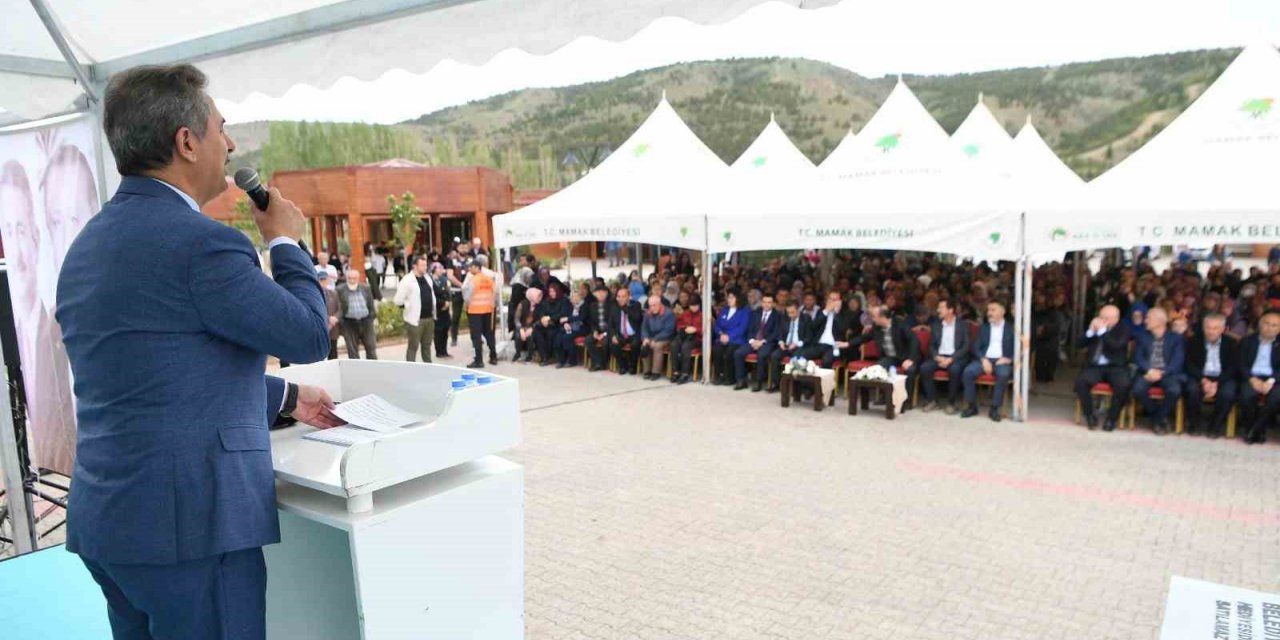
898,346
1107,343
949,347
597,324
793,334
624,329
1213,367
762,330
1259,366
831,327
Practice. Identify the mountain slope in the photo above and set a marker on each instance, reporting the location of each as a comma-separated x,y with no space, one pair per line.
1092,113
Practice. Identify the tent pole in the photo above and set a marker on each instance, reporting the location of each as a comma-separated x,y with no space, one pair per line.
707,300
20,511
1019,331
1029,272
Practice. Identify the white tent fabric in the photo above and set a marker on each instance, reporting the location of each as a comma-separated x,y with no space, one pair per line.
1033,163
772,155
656,189
311,42
1209,177
842,156
900,184
983,140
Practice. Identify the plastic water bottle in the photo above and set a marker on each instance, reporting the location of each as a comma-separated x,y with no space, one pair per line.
457,385
470,379
484,379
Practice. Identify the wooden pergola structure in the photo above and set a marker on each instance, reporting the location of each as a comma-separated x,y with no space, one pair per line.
351,202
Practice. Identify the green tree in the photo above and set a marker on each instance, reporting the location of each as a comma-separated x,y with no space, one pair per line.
406,218
245,222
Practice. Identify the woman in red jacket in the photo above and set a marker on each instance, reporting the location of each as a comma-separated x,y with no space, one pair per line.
688,337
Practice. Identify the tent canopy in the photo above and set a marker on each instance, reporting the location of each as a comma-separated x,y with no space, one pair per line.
772,154
1031,162
656,188
248,46
1209,177
982,139
899,184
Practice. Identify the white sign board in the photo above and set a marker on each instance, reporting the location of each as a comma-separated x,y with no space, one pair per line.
1198,610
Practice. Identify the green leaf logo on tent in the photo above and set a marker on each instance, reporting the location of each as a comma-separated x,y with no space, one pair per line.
994,238
727,235
889,142
972,150
759,161
684,232
640,149
1258,107
509,233
1058,233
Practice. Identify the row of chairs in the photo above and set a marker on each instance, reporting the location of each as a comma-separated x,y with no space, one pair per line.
1103,393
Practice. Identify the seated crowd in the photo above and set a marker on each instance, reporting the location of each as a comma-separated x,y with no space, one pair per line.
1164,338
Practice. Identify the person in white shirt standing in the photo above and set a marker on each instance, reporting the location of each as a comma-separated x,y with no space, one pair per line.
416,294
993,350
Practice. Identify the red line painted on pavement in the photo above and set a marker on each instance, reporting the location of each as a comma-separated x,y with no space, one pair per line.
1093,494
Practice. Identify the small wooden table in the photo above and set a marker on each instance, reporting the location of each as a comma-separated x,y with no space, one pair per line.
860,393
790,389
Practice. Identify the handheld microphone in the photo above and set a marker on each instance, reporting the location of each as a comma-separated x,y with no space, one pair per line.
247,180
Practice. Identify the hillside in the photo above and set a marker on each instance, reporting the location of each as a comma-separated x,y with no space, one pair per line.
1092,113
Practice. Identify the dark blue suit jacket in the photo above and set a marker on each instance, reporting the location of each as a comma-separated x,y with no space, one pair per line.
771,328
168,319
984,340
1175,352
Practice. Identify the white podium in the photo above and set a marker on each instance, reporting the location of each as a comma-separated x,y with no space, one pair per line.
417,535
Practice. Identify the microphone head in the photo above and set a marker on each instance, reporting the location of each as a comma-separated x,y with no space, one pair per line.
247,179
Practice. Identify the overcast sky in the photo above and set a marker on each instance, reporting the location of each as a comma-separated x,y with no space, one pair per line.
870,37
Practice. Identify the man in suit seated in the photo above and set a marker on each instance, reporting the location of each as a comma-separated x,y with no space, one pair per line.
831,328
949,350
599,323
793,334
1213,362
993,352
1106,342
1259,366
571,328
624,329
174,489
899,348
1160,357
657,330
762,331
526,322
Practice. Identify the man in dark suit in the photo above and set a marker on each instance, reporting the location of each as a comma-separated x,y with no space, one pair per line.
899,348
598,323
762,330
1106,342
1160,358
1213,364
624,329
1259,366
993,353
174,489
793,334
949,350
831,326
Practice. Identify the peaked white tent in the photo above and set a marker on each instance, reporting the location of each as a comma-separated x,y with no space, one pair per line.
983,140
840,156
772,154
1209,177
1033,163
900,184
656,188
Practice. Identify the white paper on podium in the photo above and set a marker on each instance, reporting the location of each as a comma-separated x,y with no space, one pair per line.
342,436
374,413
